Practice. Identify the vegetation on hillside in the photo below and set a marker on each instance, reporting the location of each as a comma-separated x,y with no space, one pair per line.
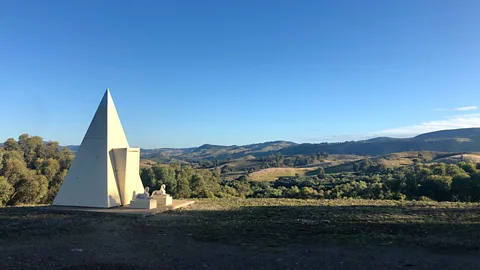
31,171
459,140
370,180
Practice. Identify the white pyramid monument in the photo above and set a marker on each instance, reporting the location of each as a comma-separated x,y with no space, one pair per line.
105,171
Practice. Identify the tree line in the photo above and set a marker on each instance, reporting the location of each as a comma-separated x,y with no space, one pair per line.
440,182
183,181
31,171
279,160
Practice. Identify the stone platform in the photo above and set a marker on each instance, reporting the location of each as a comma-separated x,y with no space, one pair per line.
120,210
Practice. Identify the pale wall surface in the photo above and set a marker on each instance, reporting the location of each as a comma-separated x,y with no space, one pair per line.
133,181
115,139
127,167
119,158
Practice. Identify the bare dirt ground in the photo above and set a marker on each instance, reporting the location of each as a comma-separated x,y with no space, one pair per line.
246,235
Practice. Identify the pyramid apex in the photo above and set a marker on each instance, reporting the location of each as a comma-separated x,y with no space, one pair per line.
97,176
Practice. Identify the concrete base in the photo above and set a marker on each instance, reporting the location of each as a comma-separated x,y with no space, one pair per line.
163,199
143,204
120,210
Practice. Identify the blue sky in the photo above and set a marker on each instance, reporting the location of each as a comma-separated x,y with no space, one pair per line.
185,73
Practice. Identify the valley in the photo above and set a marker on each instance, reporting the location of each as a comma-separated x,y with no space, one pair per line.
270,160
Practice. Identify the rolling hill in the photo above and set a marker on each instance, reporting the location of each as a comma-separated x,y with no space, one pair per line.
457,140
209,151
450,133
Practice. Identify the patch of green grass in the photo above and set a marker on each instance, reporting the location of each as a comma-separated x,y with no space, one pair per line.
344,167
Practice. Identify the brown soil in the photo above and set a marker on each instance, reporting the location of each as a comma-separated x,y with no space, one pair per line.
31,239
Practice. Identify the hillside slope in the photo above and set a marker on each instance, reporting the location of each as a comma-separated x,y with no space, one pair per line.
450,133
363,148
209,151
458,140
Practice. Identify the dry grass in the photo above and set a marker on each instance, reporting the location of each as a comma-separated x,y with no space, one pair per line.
475,157
147,163
394,163
272,174
232,203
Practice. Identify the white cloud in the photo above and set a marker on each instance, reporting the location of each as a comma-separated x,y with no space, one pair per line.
466,108
464,115
450,122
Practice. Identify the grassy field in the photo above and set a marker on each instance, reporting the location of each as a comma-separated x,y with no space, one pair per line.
146,163
475,157
272,174
273,222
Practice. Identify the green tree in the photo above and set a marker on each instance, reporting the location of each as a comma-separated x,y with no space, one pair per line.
65,158
148,178
293,192
273,193
54,186
52,150
6,191
321,173
375,191
166,175
32,148
1,159
453,169
183,182
243,188
226,169
475,187
50,168
212,182
439,169
308,193
243,178
228,192
279,159
183,187
462,187
198,186
30,190
365,165
11,145
355,167
13,167
469,167
438,187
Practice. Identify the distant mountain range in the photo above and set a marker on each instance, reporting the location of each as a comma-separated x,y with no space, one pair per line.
209,151
457,140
